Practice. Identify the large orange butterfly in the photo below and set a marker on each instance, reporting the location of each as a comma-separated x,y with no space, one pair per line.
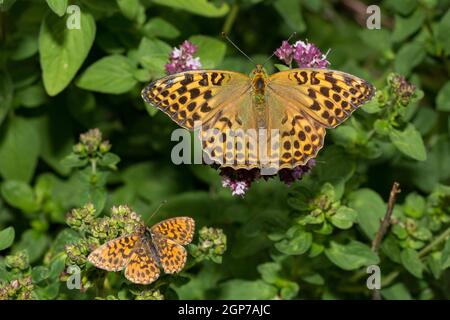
142,252
293,108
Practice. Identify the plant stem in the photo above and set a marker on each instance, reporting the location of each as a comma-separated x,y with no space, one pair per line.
435,242
386,222
230,18
94,166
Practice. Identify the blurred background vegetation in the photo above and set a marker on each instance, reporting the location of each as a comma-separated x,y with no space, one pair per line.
312,240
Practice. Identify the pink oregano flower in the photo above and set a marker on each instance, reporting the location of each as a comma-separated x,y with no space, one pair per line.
182,59
305,54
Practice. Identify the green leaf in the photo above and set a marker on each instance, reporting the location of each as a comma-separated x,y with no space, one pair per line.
200,7
445,257
370,208
132,9
32,96
112,74
210,50
19,149
39,274
6,94
425,120
351,256
26,47
58,6
442,32
411,261
281,67
94,190
291,11
434,264
6,238
297,242
403,7
158,27
19,195
334,166
379,40
34,242
314,278
443,98
74,161
65,237
399,231
153,54
269,271
57,266
396,292
289,290
414,205
391,248
109,160
63,50
410,55
48,292
404,27
247,290
344,217
409,142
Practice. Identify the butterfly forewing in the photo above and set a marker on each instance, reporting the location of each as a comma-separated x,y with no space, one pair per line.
329,97
115,254
179,229
198,95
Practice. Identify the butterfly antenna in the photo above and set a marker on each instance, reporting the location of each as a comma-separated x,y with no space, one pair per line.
273,53
224,35
157,209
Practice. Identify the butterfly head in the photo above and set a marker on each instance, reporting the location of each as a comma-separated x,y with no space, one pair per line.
259,70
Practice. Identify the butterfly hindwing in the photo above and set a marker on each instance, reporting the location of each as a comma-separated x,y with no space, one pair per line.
114,254
299,139
172,256
142,267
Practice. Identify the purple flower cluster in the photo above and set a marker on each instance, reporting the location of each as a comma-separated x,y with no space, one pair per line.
182,59
239,181
307,55
289,176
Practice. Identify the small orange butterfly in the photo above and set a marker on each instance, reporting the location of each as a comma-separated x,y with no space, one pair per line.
142,253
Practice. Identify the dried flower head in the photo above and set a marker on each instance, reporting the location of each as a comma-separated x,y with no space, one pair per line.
211,246
402,89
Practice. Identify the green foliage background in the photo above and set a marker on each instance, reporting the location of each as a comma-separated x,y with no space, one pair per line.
310,240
